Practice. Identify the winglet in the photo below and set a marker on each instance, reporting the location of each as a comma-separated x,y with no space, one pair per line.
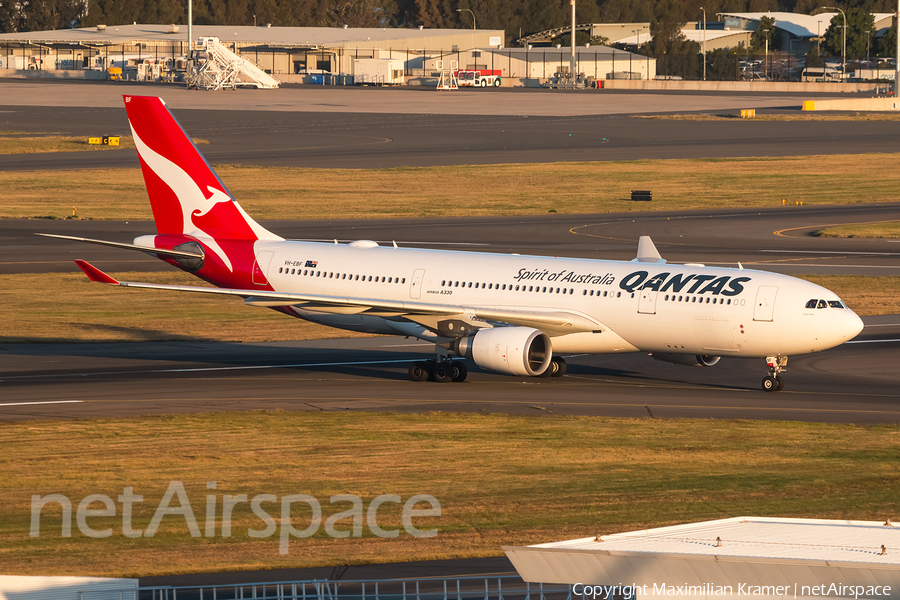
95,274
647,252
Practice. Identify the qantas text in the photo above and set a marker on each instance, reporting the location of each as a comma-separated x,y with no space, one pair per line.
683,282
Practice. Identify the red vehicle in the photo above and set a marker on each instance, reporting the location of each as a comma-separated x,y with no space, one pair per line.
479,78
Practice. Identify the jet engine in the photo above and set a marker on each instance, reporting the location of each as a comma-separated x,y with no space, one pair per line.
508,350
690,360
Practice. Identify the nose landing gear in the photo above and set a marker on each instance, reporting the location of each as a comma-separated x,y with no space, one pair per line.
773,382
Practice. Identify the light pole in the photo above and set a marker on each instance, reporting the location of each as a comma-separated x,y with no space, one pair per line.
704,42
572,60
844,44
766,63
473,15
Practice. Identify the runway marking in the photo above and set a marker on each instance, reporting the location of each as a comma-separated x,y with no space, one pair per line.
780,232
48,402
833,252
870,341
208,369
637,405
399,242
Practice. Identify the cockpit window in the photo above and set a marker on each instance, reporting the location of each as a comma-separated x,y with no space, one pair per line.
822,304
836,304
812,303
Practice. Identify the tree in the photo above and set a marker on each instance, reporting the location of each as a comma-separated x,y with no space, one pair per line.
813,59
859,21
722,65
674,53
887,45
765,32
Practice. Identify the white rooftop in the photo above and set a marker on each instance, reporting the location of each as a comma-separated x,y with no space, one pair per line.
274,36
757,537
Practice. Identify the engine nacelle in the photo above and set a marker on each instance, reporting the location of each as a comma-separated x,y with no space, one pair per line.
508,350
690,360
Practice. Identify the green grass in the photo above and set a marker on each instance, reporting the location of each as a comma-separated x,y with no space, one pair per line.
564,188
501,480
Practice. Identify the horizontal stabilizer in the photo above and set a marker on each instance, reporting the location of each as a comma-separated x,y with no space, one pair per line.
156,251
647,252
95,274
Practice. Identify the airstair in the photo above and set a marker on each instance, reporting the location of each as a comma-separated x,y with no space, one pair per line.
218,68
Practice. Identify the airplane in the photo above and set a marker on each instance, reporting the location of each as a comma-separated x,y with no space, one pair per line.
508,313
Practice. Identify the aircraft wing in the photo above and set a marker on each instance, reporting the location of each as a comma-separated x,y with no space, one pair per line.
430,315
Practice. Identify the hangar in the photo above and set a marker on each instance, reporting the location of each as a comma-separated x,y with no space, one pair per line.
291,54
763,557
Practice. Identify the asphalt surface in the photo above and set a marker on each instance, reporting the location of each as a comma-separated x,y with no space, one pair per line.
857,382
776,238
365,128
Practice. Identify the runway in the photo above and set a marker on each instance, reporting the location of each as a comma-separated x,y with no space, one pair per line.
722,237
853,383
373,128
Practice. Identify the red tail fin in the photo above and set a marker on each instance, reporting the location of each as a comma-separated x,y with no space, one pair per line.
186,195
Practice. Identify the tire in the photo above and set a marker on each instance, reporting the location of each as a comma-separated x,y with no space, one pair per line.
418,372
497,82
443,373
558,365
779,383
484,83
769,384
460,371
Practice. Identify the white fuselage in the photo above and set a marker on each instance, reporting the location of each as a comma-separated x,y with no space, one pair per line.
639,306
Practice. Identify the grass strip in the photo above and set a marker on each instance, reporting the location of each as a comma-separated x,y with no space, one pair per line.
55,143
99,313
408,192
812,116
500,480
889,230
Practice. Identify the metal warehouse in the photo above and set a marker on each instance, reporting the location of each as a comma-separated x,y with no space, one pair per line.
758,557
291,54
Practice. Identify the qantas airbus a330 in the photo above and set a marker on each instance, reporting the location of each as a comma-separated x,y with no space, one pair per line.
508,313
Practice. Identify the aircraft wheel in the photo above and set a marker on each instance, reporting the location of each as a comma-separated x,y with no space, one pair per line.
769,384
779,383
460,371
558,366
418,372
443,373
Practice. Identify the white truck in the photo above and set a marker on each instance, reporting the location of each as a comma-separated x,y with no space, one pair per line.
377,71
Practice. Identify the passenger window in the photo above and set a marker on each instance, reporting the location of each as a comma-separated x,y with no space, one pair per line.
812,303
822,304
835,304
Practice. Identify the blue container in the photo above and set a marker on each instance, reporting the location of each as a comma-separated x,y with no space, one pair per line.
318,79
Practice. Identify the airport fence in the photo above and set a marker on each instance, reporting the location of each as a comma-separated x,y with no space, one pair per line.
502,587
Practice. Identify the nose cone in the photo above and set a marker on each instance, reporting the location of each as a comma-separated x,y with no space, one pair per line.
850,325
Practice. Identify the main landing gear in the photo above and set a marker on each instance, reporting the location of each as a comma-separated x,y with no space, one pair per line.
773,382
441,371
556,368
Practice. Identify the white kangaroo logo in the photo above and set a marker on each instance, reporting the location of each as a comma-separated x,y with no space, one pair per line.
190,196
